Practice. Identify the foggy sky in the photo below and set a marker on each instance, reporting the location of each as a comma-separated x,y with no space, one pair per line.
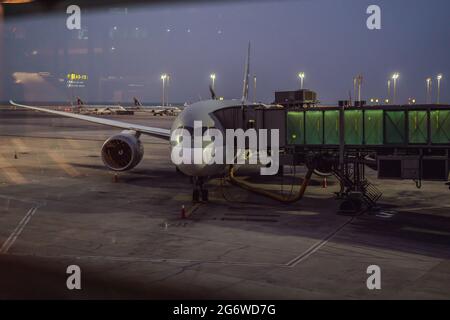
326,39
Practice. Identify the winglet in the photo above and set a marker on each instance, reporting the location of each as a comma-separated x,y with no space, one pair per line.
246,75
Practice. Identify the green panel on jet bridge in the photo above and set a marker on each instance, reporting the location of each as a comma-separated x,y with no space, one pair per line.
418,128
395,127
373,127
331,127
295,127
314,127
353,125
440,126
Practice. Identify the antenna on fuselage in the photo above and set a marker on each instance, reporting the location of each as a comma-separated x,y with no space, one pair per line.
246,75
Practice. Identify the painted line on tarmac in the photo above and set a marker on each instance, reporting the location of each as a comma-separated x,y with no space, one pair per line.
67,138
427,231
424,208
316,247
290,264
151,260
35,203
17,231
192,209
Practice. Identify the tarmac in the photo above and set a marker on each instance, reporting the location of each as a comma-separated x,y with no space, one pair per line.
59,206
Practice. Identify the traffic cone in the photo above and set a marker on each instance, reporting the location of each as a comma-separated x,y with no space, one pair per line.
324,183
183,212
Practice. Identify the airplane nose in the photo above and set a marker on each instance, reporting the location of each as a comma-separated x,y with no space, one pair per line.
207,167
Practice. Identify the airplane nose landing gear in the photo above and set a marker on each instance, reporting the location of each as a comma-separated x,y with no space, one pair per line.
199,190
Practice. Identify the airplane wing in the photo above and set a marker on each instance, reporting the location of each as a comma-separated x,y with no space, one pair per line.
152,131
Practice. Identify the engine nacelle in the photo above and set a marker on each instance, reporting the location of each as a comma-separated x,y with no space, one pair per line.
123,151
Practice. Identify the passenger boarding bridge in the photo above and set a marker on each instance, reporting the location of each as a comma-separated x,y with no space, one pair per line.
398,141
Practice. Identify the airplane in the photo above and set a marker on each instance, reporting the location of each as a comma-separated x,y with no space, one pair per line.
82,108
157,110
124,151
164,111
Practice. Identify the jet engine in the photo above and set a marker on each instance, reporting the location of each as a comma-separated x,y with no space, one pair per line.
123,151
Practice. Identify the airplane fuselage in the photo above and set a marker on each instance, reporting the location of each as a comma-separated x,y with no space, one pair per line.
202,111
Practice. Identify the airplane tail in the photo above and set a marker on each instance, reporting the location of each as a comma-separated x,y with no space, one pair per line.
246,76
137,103
79,101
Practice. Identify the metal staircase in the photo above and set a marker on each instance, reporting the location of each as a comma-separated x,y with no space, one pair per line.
356,190
371,193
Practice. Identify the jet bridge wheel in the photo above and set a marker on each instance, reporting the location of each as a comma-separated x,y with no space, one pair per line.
352,204
322,164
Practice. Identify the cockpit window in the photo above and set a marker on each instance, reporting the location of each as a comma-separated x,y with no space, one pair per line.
179,139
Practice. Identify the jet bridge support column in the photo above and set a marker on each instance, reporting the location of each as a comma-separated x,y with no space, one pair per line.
341,147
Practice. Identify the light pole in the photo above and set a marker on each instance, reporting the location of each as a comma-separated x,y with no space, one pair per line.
163,78
439,77
301,75
389,90
167,90
358,82
428,80
213,79
254,89
395,77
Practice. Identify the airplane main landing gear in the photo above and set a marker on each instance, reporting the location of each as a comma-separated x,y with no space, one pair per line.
199,190
195,195
205,195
